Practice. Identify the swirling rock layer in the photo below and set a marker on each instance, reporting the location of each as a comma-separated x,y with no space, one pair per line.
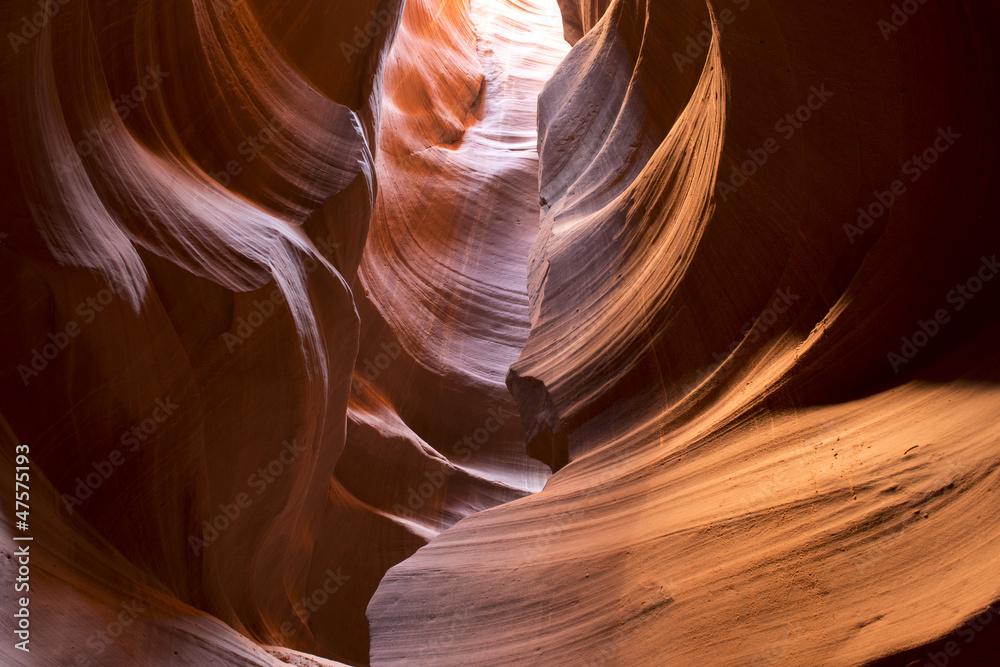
397,332
755,460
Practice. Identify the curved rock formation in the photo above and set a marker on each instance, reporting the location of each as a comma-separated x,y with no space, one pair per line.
761,430
196,199
402,332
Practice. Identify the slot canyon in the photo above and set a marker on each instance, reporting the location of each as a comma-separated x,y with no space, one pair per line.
489,332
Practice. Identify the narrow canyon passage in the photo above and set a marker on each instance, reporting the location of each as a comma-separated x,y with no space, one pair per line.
499,332
433,434
445,267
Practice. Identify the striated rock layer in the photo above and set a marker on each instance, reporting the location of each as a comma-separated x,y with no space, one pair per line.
273,379
400,332
773,419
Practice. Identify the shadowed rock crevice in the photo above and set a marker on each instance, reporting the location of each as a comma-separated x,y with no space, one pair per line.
449,332
546,440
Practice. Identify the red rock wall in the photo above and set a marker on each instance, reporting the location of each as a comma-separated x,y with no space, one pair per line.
294,290
754,467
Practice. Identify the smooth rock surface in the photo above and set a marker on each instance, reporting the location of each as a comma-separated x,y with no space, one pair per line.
404,333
